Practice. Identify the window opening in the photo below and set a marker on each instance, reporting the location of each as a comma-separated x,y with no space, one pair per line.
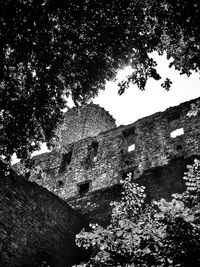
84,188
179,148
66,159
129,135
94,148
177,132
91,154
60,183
131,148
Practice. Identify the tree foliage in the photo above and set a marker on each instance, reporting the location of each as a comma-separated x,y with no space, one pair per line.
50,49
162,233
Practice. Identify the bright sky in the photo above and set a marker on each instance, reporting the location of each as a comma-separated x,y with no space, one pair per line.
135,104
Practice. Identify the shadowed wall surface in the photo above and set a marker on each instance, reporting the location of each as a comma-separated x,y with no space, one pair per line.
35,224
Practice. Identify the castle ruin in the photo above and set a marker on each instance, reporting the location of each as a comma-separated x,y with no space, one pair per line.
86,173
97,155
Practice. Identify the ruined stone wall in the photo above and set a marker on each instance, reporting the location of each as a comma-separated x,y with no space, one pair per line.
87,120
95,206
99,168
99,162
35,224
95,163
155,143
87,176
160,182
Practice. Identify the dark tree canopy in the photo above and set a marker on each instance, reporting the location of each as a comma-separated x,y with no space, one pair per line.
53,48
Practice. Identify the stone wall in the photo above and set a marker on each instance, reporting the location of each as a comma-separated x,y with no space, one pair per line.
35,224
95,206
150,149
160,182
98,168
98,162
155,143
87,120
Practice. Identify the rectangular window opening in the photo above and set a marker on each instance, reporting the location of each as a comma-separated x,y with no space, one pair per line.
60,183
177,132
66,159
131,148
83,188
94,148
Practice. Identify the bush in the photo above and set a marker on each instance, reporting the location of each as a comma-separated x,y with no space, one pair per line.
162,233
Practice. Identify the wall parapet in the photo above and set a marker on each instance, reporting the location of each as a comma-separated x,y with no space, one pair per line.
36,225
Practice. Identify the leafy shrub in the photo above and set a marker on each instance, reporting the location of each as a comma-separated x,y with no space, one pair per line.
162,233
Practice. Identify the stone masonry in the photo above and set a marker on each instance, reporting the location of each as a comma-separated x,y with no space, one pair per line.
86,121
98,154
35,225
